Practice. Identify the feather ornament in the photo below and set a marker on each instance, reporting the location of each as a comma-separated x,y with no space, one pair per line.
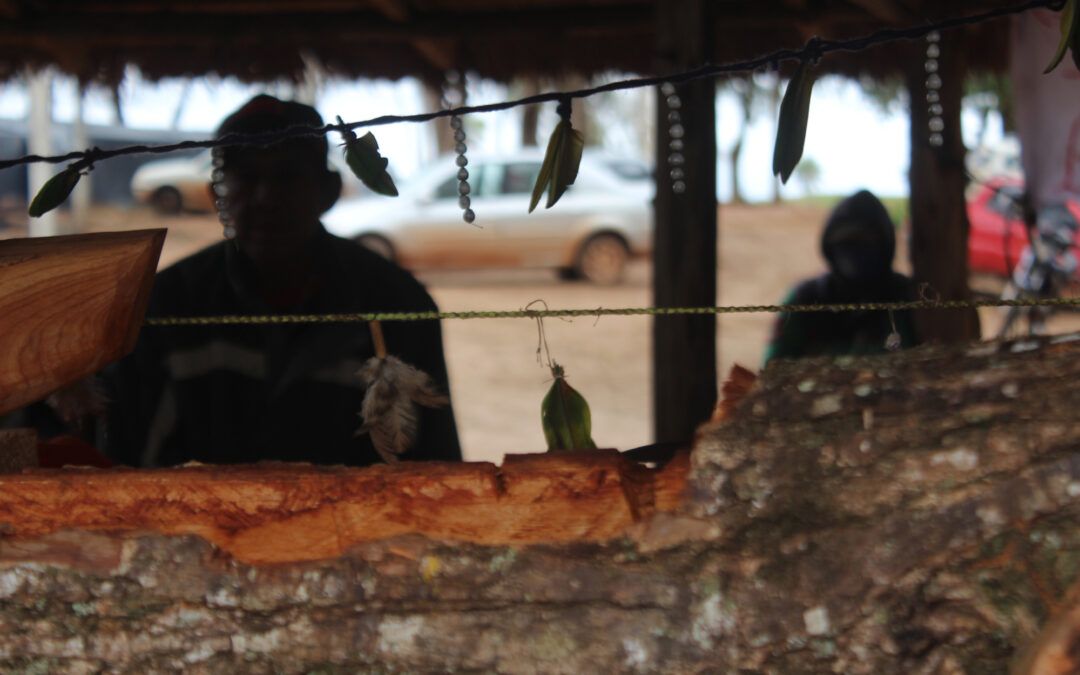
389,410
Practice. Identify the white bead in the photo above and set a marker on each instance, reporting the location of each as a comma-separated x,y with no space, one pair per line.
676,144
667,89
676,159
674,116
937,140
932,51
936,124
676,131
459,135
933,36
455,122
936,109
931,65
674,102
678,187
676,174
934,81
932,96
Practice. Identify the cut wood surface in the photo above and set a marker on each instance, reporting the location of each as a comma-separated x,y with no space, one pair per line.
916,512
292,512
69,306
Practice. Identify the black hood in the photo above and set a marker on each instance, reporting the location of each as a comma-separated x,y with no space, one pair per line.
860,227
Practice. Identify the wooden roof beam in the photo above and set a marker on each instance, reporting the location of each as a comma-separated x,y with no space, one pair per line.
883,10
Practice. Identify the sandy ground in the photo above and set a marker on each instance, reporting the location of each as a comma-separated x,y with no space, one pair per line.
497,383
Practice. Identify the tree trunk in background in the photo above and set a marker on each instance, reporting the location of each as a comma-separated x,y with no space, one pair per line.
530,114
39,142
904,513
938,211
443,139
685,240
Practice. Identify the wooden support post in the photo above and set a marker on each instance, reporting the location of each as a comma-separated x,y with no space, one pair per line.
685,243
81,196
39,142
939,224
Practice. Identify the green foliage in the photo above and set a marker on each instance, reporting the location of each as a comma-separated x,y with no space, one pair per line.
561,162
54,192
362,156
791,127
1070,36
565,416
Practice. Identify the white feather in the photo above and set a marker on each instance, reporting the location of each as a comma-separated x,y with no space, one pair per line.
389,407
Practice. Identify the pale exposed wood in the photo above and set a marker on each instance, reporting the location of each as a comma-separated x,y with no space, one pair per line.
70,306
291,512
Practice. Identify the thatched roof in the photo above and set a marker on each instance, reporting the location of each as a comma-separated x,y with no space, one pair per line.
258,40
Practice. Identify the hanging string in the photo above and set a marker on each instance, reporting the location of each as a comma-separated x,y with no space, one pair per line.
817,49
606,311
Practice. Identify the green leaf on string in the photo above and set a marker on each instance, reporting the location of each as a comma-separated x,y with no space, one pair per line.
362,156
54,192
565,417
1070,36
791,127
561,162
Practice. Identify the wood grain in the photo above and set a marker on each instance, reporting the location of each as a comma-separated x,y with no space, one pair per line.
69,306
291,512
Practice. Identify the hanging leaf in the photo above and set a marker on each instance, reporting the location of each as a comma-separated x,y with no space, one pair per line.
394,388
791,127
362,156
54,192
1070,36
565,417
561,162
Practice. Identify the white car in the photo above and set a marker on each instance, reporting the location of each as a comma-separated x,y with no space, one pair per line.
601,221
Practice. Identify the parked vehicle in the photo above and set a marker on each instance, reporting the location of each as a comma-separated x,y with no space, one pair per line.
1039,264
602,220
180,183
998,235
174,184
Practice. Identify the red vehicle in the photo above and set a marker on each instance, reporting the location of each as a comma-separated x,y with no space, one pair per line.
998,235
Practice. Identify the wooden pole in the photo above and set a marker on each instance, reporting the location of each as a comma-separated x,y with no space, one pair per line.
39,142
939,224
685,240
82,195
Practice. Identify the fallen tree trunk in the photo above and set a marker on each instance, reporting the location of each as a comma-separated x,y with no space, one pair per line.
909,513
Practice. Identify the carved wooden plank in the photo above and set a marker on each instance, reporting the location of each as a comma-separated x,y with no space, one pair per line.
291,512
69,306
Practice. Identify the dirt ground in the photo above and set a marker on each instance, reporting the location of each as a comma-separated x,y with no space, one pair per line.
497,383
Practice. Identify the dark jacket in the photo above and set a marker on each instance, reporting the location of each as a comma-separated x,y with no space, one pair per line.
859,243
244,393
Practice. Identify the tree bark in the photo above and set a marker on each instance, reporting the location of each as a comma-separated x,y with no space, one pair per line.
939,224
905,513
685,239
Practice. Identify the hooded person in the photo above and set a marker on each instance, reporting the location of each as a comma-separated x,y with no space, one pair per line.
858,243
243,393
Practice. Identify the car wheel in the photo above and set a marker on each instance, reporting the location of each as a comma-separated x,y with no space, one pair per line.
377,244
167,200
602,259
